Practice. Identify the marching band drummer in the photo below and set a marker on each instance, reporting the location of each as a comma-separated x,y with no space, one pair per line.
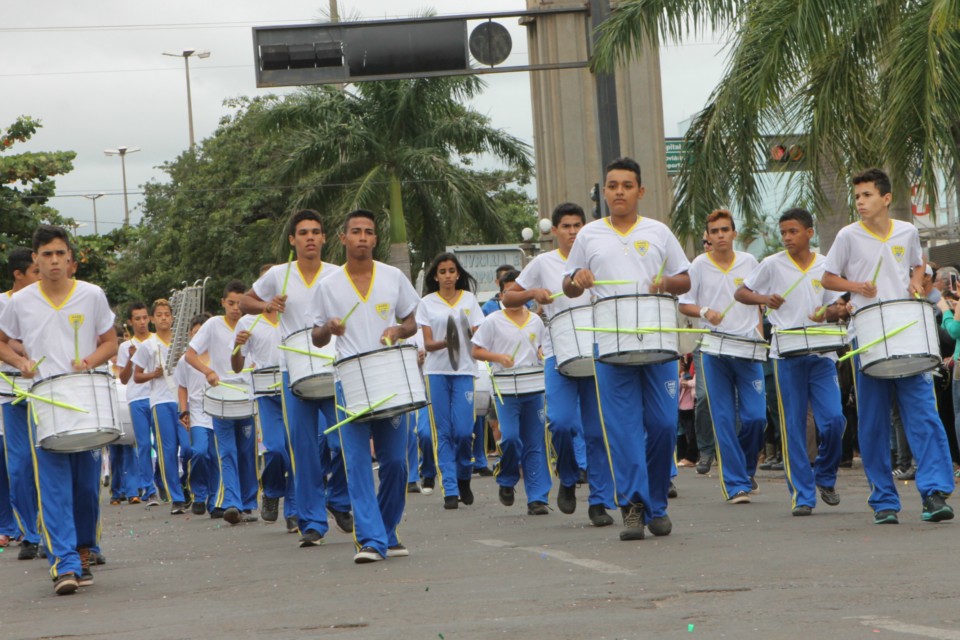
257,341
852,266
511,338
235,438
450,390
204,464
733,383
637,409
320,481
802,380
171,436
571,403
379,296
138,400
16,436
55,319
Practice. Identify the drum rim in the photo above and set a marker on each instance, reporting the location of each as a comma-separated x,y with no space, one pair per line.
724,334
674,355
666,296
265,370
510,373
588,306
932,359
357,356
881,303
73,373
392,412
290,335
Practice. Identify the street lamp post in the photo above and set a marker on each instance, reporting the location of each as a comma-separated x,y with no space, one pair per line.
93,197
122,152
185,54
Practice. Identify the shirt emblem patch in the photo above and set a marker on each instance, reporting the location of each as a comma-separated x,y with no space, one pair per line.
642,246
898,253
383,310
76,319
817,285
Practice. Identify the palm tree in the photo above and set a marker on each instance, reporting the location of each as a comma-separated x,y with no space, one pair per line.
403,147
867,82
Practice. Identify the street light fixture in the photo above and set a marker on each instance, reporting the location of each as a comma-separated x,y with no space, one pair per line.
186,54
122,152
93,197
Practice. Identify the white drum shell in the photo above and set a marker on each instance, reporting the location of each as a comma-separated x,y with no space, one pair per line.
68,431
267,381
725,344
311,377
791,344
369,377
482,390
636,312
520,381
127,435
228,404
6,389
907,353
573,349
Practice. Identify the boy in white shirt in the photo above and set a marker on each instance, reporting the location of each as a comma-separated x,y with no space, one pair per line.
138,401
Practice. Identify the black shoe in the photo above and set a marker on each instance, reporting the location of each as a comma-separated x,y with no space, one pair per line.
86,564
766,465
802,510
270,510
582,477
672,491
28,551
99,558
885,516
293,524
777,466
936,509
177,508
232,515
41,551
310,538
427,485
216,513
905,473
483,472
754,487
661,526
537,508
413,487
343,520
740,497
65,584
829,496
632,521
163,494
367,555
567,499
466,495
506,496
198,508
704,464
451,502
598,516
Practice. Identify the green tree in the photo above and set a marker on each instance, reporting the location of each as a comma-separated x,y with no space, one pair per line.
401,147
868,82
23,206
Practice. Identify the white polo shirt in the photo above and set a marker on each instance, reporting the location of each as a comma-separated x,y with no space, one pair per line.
500,334
135,390
433,312
193,381
261,348
153,352
713,287
546,271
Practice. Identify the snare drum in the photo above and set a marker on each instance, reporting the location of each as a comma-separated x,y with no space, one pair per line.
907,353
653,311
311,377
520,381
368,378
725,344
127,435
6,388
267,381
69,431
482,388
811,340
573,349
228,404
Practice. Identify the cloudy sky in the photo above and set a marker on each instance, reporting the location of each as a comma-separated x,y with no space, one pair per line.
94,74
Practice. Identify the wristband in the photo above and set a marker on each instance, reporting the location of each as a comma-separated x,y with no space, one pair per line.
574,273
703,312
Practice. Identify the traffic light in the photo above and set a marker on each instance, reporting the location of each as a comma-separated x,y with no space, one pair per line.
786,154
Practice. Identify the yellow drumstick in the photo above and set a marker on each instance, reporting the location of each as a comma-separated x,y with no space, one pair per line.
358,414
663,265
315,354
729,306
233,386
493,381
250,330
37,363
876,272
343,322
874,343
25,394
788,291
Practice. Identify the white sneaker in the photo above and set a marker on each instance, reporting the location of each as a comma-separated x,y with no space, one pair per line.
367,554
397,551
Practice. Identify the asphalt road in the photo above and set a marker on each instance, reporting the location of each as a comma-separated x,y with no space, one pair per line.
487,571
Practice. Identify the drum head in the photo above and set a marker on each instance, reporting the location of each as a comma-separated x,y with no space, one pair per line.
453,343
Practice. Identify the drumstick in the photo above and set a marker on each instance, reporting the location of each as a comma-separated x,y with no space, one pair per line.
644,330
232,386
26,394
275,385
388,341
558,294
315,354
248,370
874,343
729,306
515,349
286,278
37,363
345,410
493,381
343,322
614,282
812,331
76,340
876,272
250,330
787,292
358,414
663,264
